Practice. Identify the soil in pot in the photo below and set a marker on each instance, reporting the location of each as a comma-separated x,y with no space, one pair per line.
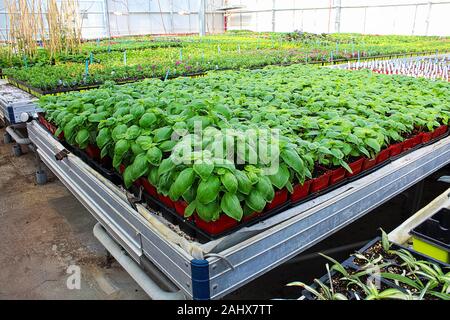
374,252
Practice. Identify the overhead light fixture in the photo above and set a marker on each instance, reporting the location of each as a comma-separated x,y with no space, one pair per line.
184,13
117,13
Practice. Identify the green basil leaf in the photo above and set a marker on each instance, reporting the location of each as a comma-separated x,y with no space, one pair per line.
230,182
184,181
203,169
255,201
293,160
154,156
208,212
208,190
264,186
103,137
244,183
280,178
231,206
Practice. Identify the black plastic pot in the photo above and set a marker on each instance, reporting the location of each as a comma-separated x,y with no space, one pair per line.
347,264
432,236
396,247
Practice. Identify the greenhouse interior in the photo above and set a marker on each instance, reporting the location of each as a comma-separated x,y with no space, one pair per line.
229,150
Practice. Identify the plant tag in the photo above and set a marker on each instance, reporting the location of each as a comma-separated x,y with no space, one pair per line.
125,57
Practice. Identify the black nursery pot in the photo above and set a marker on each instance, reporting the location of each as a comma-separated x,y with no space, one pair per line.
432,237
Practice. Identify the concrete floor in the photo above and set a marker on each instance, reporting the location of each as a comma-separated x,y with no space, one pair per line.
44,230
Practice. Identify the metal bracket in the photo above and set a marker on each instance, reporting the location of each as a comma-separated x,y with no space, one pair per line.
62,154
132,199
445,179
220,257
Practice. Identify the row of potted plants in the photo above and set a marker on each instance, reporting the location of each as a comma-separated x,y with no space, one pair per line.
325,119
200,55
331,177
311,187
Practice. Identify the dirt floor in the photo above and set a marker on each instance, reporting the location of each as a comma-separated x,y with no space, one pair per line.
45,232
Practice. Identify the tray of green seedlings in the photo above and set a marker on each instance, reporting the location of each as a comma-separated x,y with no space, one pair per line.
381,270
225,150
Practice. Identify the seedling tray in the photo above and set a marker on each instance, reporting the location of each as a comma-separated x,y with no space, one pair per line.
350,264
348,179
188,225
40,92
109,174
170,213
250,258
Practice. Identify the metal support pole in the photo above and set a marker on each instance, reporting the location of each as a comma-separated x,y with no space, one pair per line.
189,16
136,272
128,18
107,24
337,24
427,21
365,19
172,30
240,21
414,21
273,15
201,19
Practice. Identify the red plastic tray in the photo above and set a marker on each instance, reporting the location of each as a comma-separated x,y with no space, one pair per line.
321,182
369,163
337,175
301,191
281,196
180,206
356,167
383,155
166,200
93,152
427,136
151,190
215,227
396,149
